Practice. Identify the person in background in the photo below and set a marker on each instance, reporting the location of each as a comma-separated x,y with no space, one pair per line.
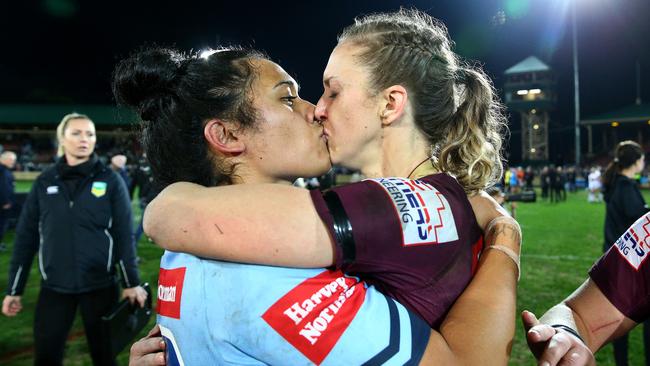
552,183
77,216
7,187
143,179
118,164
529,177
544,182
624,205
560,182
594,186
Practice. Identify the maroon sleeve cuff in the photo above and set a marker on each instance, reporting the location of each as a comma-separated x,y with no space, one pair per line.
326,216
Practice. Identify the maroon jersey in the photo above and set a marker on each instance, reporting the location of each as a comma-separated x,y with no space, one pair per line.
623,273
416,240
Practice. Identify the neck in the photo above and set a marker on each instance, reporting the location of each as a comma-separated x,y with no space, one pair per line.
629,172
246,176
72,160
402,151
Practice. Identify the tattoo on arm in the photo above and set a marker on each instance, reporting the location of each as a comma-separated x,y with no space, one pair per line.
502,229
218,228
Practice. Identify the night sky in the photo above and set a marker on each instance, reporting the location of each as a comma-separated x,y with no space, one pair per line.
63,51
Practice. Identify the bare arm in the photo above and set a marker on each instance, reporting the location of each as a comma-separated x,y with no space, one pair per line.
589,312
254,223
257,223
480,326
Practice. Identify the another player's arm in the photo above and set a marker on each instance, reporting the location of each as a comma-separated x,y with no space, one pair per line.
587,311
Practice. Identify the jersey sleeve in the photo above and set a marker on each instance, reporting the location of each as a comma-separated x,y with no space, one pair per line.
361,219
375,220
623,273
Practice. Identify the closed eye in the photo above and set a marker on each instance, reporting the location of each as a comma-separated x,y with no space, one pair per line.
289,100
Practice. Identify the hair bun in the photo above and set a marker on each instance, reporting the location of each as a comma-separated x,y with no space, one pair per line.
145,77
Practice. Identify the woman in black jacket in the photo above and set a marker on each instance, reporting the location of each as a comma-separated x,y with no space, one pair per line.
625,205
77,216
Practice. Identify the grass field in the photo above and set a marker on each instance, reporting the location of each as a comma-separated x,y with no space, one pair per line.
561,241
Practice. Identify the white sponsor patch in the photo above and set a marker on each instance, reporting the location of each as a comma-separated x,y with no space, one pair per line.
52,189
423,211
634,245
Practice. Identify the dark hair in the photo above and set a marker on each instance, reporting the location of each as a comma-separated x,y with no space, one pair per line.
454,104
175,94
626,154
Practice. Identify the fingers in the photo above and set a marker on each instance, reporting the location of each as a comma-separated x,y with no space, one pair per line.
11,306
566,350
529,319
147,351
141,298
155,331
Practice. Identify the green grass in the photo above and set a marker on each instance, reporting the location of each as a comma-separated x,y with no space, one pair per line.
561,241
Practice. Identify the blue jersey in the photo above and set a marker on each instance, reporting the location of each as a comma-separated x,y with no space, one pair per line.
220,313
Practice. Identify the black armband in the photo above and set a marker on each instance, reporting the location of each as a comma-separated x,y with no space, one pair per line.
342,226
569,330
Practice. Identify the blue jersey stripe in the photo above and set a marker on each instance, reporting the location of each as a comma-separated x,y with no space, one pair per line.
393,345
420,333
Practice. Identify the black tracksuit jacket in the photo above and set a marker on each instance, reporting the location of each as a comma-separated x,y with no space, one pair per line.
81,236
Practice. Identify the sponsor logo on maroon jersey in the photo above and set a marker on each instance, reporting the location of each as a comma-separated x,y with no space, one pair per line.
423,212
635,243
314,314
170,290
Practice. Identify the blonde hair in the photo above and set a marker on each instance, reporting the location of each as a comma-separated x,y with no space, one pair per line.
454,103
60,129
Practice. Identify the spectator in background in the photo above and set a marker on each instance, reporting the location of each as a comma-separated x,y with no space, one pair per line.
7,201
594,186
529,176
625,205
521,177
77,216
143,179
552,183
571,179
118,164
543,178
561,179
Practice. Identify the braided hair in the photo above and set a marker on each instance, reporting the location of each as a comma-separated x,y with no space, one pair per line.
454,103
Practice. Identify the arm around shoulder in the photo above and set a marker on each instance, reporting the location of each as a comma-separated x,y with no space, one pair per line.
256,223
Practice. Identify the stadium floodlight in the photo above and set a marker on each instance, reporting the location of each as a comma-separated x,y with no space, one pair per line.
522,92
534,91
535,126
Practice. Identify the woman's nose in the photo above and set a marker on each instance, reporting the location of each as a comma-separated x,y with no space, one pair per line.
321,110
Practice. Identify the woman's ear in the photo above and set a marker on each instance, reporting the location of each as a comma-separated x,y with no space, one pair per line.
394,103
223,137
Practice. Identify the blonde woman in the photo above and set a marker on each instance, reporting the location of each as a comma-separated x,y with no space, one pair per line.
77,217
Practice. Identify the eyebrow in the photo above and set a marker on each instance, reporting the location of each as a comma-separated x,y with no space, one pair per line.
327,80
289,83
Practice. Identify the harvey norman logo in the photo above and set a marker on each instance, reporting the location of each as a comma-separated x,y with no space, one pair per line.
423,212
314,314
634,245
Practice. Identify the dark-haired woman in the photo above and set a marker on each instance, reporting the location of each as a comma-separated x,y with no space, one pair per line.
239,115
625,205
